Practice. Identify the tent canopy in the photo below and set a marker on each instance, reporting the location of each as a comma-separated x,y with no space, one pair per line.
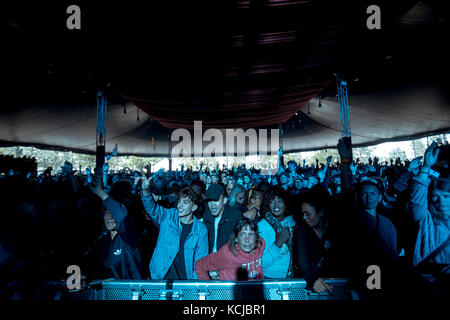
229,64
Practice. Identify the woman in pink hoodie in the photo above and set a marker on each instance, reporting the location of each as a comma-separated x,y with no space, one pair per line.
243,252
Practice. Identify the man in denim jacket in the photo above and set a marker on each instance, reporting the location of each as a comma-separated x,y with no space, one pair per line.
182,240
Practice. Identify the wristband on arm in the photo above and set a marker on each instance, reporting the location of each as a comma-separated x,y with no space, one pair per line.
344,160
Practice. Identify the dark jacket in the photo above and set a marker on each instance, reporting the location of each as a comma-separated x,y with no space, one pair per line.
127,262
320,257
230,216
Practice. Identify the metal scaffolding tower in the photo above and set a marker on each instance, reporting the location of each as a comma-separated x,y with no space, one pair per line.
101,131
344,111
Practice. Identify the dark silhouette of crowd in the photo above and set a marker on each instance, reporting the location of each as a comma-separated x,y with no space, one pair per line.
311,221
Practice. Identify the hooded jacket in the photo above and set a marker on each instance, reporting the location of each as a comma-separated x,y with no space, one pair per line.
126,261
229,264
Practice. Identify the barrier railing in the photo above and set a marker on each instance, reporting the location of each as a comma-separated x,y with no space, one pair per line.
289,289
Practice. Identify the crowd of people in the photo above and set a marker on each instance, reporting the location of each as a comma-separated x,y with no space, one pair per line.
10,164
311,221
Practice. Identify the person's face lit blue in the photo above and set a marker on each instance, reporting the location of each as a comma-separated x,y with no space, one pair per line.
370,196
277,207
284,179
291,166
185,207
246,239
441,201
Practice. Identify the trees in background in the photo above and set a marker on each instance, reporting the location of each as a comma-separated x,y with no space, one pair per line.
55,159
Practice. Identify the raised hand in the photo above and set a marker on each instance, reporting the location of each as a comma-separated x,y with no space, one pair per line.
414,164
146,185
88,174
280,151
321,175
345,149
329,159
96,187
115,150
431,155
353,167
375,161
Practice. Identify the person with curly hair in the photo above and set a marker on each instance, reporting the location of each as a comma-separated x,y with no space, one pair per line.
276,228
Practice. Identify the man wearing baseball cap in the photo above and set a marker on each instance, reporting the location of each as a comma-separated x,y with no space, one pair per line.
219,217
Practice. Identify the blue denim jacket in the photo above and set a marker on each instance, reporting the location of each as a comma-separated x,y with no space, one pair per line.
168,244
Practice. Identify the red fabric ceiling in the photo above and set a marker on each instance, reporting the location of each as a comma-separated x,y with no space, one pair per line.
254,110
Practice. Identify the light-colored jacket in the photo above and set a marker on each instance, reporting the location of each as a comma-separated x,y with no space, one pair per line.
275,261
168,244
432,232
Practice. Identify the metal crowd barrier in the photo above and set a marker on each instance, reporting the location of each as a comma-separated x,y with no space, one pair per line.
292,289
